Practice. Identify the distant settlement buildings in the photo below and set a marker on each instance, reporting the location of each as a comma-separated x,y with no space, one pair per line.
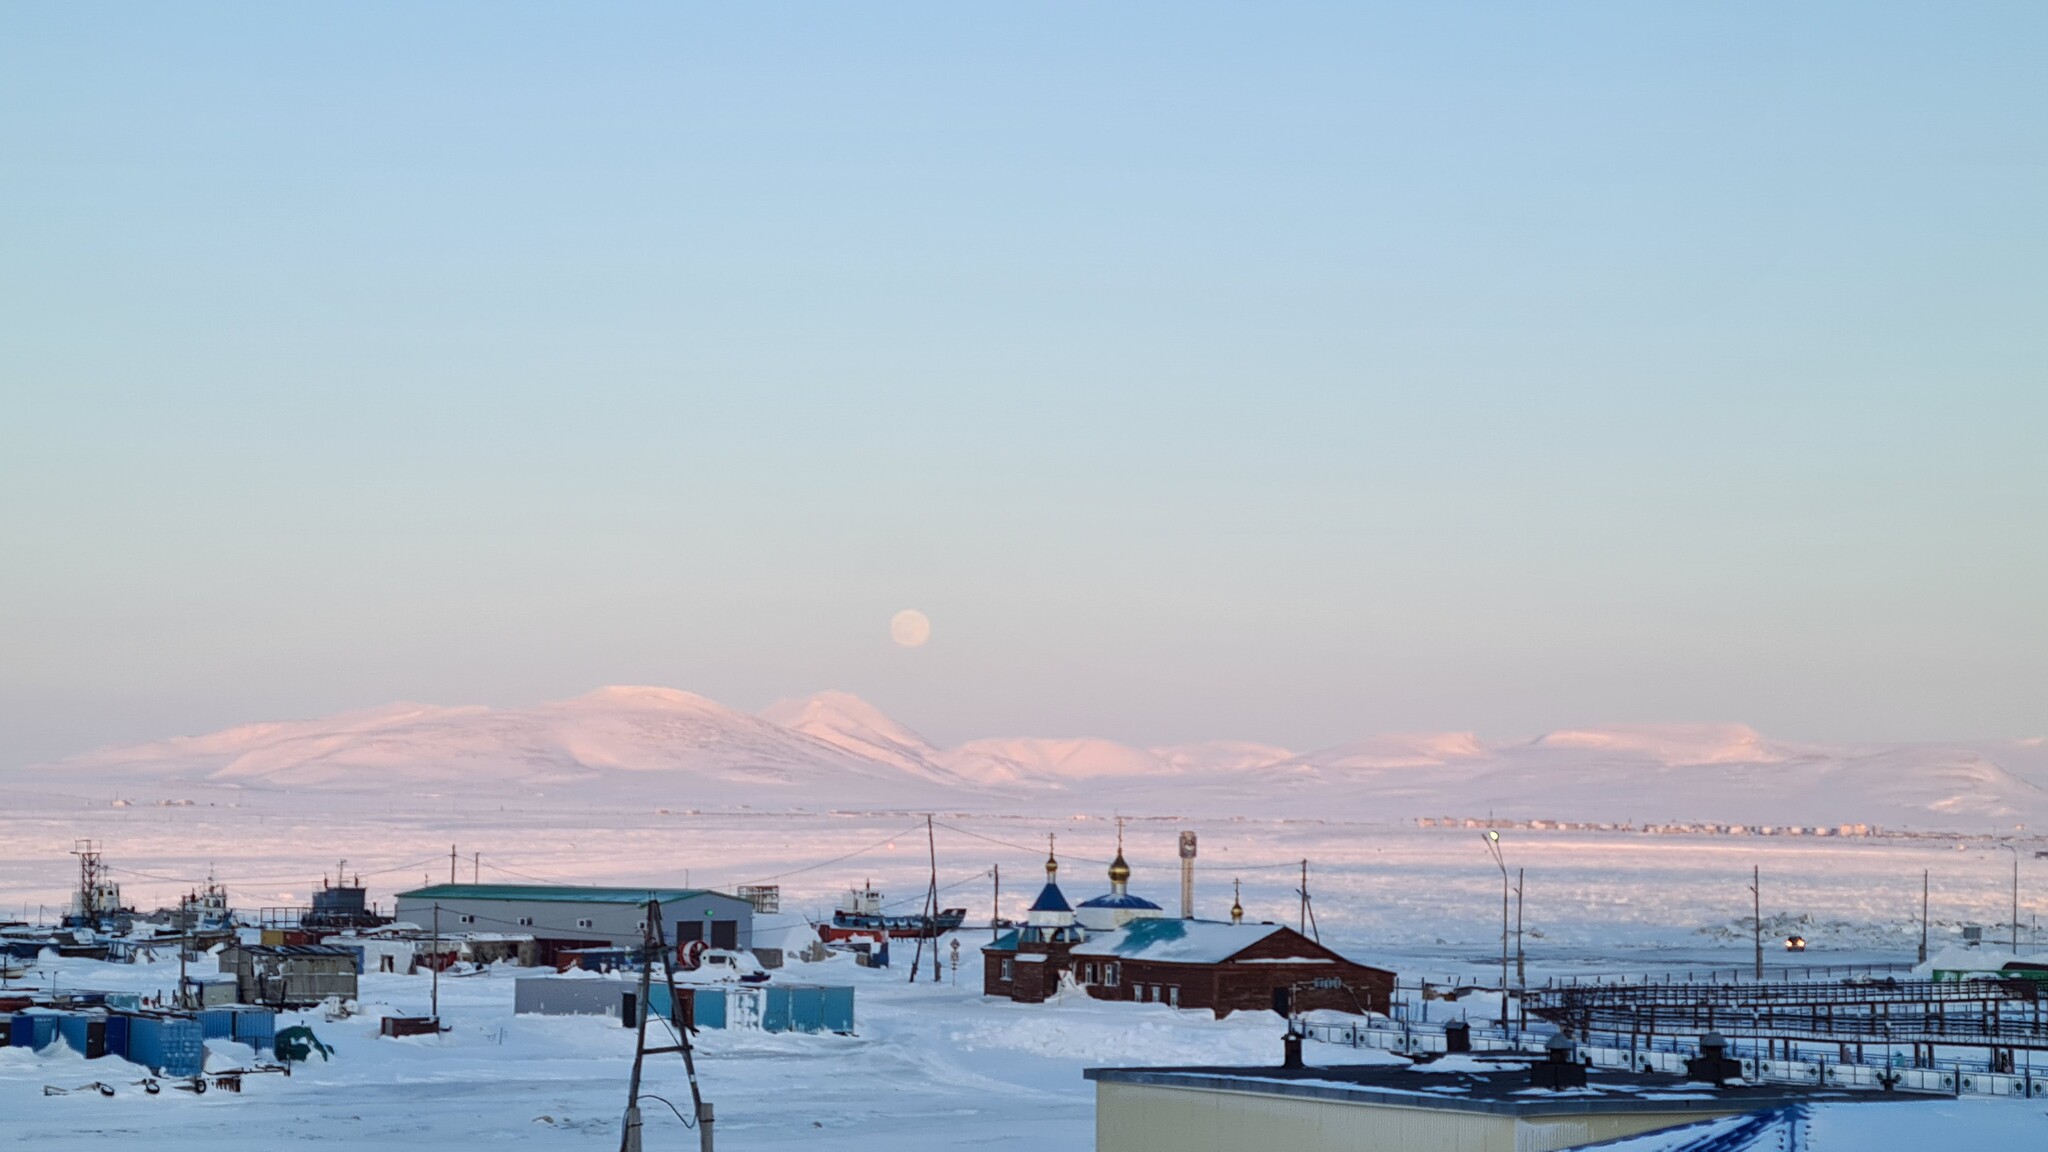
1123,947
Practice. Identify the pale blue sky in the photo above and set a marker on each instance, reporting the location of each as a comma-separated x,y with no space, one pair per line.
1284,372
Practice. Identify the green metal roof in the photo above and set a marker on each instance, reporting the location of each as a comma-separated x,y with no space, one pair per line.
558,893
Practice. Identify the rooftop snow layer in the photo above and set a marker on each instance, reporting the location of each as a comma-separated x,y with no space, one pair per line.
1178,941
556,893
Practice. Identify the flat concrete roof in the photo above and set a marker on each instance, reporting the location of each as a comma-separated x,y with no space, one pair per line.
559,893
1503,1088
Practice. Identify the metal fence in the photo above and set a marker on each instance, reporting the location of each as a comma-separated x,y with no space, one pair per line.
1668,1054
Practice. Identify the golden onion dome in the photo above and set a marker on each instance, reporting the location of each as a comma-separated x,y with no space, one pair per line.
1118,870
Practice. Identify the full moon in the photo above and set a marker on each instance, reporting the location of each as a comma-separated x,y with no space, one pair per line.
910,628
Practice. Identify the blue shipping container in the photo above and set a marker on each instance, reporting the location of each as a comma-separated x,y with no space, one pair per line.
117,1035
73,1027
710,1007
806,1008
173,1047
775,1008
836,1013
256,1027
217,1023
33,1030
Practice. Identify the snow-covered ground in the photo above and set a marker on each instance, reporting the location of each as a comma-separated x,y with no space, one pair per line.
932,1067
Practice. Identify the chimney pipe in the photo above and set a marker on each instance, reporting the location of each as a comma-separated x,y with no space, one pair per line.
1187,875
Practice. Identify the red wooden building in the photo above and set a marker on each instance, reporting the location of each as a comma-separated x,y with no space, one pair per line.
1026,964
1225,968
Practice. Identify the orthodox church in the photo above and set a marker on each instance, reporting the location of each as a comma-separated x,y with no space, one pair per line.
1027,963
1123,947
1119,907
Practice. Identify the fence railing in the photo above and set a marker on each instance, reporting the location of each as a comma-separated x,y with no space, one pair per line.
1668,1054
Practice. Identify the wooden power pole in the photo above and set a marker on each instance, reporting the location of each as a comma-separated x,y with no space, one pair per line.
653,943
1756,899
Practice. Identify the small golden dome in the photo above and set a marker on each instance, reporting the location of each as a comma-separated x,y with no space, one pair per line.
1118,870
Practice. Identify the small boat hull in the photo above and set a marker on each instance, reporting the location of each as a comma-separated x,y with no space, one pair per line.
845,926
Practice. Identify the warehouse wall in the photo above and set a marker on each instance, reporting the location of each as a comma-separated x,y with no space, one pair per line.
616,925
1149,1118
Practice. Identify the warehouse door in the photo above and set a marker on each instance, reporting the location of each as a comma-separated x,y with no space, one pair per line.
725,933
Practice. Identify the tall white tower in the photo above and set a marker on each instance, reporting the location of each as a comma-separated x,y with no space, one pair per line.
1187,875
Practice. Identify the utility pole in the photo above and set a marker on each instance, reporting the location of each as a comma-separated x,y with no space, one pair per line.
931,908
1304,897
2015,896
476,868
1923,915
435,966
451,863
931,923
995,908
1521,962
654,942
1756,899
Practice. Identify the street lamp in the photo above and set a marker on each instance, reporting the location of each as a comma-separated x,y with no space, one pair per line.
1493,846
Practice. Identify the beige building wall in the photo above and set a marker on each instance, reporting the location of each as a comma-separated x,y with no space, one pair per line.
1149,1118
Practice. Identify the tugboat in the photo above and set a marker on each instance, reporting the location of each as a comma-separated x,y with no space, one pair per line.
860,915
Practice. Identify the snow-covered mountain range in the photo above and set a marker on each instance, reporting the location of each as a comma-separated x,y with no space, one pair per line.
834,750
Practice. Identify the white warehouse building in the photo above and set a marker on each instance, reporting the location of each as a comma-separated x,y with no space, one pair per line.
603,916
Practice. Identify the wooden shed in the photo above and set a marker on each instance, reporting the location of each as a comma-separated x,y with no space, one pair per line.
291,975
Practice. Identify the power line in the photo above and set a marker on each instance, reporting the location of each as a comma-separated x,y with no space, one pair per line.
1033,849
839,859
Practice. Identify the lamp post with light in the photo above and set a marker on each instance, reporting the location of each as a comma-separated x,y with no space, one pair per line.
1493,846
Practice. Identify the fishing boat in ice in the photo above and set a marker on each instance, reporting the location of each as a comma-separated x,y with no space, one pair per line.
860,915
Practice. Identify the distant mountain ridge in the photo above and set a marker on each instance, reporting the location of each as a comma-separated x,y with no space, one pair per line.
633,744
